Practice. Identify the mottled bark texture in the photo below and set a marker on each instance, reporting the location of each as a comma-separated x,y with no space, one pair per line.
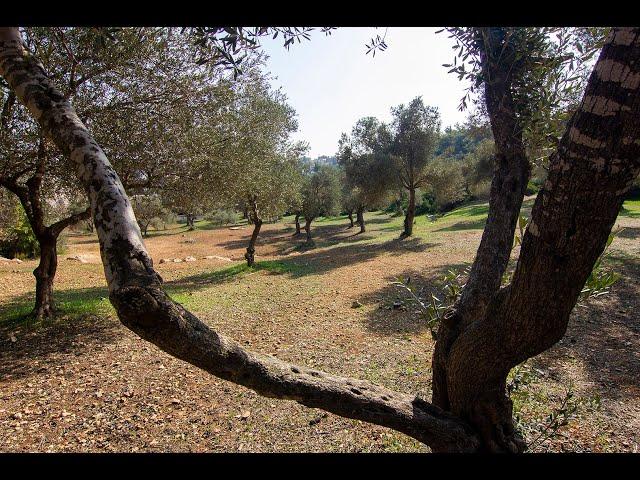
254,217
135,289
492,330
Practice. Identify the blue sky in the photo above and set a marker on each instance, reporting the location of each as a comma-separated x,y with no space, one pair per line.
331,82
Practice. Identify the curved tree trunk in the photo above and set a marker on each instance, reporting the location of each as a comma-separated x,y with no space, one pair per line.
492,329
257,223
350,216
360,216
594,168
307,228
410,214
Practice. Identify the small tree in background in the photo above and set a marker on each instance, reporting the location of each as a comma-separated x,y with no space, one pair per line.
415,129
369,173
320,195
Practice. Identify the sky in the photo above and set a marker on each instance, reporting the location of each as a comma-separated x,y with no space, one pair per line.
331,81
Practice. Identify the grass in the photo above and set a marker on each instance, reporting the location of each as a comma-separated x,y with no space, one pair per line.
630,209
196,291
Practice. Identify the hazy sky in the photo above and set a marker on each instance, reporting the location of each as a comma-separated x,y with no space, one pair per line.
331,82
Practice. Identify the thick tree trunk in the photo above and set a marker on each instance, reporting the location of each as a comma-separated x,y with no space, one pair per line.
297,225
495,329
45,273
360,217
410,215
257,223
350,216
307,229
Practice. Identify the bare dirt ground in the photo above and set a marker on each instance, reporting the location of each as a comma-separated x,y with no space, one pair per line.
84,383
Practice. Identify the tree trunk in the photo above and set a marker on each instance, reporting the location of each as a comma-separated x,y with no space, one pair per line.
257,223
190,221
410,215
491,329
360,216
45,273
307,228
297,225
350,216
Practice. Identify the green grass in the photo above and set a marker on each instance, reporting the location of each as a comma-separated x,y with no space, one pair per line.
203,291
631,209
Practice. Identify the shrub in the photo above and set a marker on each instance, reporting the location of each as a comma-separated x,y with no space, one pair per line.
19,241
223,217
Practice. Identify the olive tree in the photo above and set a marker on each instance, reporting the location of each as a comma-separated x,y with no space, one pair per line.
415,130
369,171
320,195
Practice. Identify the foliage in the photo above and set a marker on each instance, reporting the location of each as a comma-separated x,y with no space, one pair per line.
601,278
539,430
548,67
223,216
434,308
148,210
19,241
321,192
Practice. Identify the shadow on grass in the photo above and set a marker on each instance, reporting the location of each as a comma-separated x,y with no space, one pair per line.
387,320
42,348
465,225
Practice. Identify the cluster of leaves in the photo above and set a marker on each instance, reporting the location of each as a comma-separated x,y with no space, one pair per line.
229,47
432,307
18,239
542,430
601,278
548,67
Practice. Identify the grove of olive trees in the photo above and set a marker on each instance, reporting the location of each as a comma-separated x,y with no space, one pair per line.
145,127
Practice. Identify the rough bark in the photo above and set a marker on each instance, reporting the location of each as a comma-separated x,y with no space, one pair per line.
45,273
29,195
590,174
307,229
135,289
254,216
360,217
508,185
350,217
410,214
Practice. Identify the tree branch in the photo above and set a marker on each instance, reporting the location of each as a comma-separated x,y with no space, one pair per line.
136,292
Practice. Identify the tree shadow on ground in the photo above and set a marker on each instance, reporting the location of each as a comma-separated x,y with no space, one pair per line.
314,262
285,243
47,346
465,225
604,334
408,317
